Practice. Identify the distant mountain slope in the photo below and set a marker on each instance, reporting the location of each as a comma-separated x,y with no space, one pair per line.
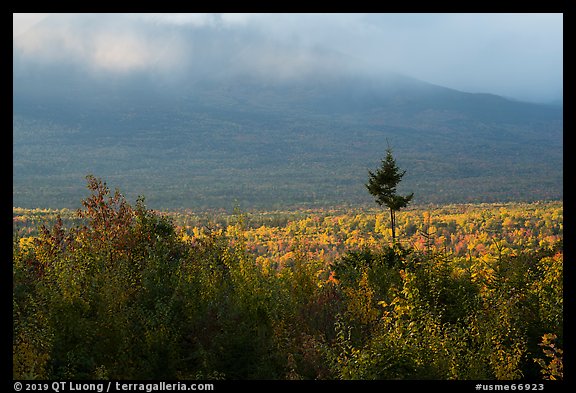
216,139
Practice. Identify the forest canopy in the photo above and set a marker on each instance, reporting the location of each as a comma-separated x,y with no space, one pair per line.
120,291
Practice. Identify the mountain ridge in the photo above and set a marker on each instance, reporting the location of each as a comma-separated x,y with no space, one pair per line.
207,139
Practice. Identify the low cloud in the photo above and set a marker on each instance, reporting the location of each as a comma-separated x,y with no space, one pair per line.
516,55
115,46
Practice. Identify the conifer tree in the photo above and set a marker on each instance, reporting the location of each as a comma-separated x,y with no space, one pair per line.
382,185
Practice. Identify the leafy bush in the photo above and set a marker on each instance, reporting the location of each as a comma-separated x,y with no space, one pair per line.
125,293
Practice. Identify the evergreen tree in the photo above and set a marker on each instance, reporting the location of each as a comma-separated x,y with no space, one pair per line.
382,185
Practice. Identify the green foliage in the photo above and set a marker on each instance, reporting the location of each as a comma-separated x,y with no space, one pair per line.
382,185
122,292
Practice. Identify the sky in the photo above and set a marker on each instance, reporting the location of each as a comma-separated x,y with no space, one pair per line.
515,55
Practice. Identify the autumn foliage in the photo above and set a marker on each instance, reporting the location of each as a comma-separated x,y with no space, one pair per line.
123,292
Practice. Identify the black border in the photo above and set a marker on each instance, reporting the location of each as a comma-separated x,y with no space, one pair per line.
566,7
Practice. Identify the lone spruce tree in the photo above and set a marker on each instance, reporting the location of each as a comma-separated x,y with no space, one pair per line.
382,185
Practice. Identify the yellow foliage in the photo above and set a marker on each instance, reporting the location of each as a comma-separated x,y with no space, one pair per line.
361,299
26,243
28,361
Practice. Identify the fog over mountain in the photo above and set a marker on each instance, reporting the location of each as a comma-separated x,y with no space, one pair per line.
267,110
513,55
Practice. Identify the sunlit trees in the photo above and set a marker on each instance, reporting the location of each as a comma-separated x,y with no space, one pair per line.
123,292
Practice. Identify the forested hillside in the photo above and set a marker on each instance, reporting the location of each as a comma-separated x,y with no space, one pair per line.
120,291
216,132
